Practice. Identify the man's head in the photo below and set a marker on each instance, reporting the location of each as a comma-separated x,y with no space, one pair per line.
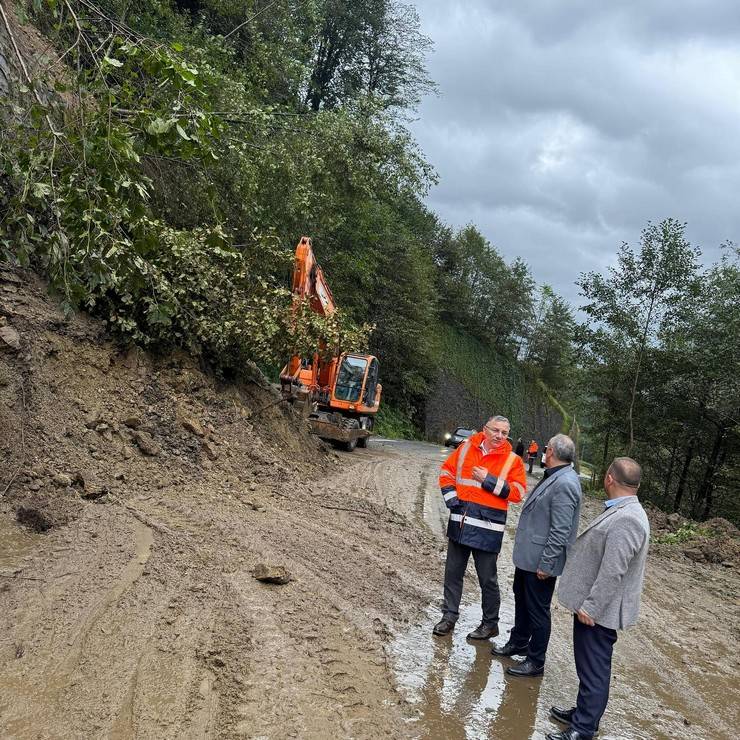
622,477
560,450
496,430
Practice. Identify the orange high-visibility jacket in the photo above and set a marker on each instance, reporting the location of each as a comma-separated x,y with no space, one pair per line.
478,510
533,447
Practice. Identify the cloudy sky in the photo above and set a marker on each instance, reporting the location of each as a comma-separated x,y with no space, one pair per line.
563,126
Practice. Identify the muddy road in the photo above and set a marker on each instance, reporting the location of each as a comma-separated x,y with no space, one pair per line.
140,618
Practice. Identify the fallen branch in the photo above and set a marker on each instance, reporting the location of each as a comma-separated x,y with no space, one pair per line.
17,51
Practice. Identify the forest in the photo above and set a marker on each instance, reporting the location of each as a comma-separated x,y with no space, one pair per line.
160,160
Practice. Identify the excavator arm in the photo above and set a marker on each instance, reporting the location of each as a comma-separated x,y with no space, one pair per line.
309,281
340,394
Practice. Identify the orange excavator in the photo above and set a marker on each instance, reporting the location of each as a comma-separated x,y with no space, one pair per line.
339,394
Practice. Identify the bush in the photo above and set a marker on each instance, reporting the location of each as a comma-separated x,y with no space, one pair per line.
394,424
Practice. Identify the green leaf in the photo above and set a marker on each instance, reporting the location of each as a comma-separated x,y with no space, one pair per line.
41,189
112,62
159,126
181,131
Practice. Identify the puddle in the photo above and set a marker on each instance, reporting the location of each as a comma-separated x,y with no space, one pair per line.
15,543
456,688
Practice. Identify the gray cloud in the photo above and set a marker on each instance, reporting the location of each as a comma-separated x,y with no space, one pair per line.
563,127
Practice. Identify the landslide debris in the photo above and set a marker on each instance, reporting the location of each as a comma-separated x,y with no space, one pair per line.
138,495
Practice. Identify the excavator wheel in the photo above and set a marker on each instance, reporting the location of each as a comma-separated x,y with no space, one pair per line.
365,423
351,424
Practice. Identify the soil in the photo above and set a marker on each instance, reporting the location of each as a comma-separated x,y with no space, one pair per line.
141,500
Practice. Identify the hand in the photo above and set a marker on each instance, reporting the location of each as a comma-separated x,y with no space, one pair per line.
542,575
585,618
479,473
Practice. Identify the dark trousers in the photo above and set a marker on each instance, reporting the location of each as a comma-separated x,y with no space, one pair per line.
532,598
485,567
531,463
592,648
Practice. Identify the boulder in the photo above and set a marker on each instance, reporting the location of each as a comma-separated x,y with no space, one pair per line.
145,442
194,427
9,339
272,574
210,450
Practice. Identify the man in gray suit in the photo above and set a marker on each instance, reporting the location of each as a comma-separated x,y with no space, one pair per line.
548,524
602,584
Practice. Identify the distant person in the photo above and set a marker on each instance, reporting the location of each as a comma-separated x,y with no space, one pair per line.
519,449
478,480
602,584
532,453
548,525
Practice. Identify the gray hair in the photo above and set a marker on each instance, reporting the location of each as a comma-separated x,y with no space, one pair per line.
500,418
563,448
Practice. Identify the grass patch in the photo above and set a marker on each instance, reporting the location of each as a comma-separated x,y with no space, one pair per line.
683,534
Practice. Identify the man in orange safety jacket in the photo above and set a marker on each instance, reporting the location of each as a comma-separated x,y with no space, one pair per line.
534,448
478,480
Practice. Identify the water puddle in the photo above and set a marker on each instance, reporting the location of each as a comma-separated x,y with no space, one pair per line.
15,544
457,689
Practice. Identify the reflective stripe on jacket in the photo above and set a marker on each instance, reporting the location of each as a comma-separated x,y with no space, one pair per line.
478,510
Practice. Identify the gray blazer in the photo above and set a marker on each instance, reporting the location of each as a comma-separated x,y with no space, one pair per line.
548,523
606,566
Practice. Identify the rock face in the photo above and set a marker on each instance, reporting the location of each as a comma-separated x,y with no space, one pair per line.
272,574
450,404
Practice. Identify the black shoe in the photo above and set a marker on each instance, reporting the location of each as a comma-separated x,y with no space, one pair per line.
508,650
527,669
569,734
562,715
483,632
443,627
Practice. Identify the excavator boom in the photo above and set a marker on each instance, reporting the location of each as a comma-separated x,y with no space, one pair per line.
339,394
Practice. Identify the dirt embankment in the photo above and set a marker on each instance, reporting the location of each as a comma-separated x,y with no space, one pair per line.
148,494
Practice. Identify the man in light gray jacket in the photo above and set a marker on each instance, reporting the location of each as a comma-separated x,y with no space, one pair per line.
548,524
602,584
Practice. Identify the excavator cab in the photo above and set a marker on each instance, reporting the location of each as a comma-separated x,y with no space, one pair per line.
351,378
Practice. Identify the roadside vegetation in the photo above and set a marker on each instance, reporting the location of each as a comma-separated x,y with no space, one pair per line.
159,161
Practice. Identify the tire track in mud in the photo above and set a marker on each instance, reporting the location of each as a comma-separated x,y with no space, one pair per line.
102,647
143,539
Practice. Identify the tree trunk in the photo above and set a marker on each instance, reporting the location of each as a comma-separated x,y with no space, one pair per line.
606,450
684,475
643,344
707,485
669,474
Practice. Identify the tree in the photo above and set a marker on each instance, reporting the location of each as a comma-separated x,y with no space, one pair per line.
371,48
637,297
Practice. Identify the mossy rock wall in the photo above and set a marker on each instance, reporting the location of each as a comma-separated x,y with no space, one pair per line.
474,382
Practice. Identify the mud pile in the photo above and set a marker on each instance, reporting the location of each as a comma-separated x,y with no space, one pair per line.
140,499
82,419
716,541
